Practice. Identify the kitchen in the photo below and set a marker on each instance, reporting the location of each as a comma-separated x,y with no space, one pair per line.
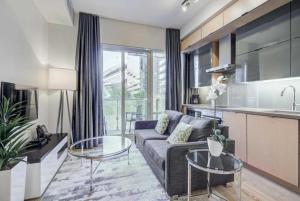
260,60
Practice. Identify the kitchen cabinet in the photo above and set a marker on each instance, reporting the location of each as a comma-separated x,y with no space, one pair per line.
266,31
240,8
266,63
191,39
295,37
212,25
272,146
237,131
201,62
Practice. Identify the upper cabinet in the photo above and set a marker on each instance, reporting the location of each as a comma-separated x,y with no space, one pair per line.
269,47
239,9
295,37
264,32
264,64
201,60
213,25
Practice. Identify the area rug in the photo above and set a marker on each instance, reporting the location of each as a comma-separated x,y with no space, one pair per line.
114,180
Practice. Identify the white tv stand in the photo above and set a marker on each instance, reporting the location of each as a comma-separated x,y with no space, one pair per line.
43,163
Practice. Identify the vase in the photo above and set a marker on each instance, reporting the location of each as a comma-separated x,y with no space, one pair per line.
213,103
215,148
12,185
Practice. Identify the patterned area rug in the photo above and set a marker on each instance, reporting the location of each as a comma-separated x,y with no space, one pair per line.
114,180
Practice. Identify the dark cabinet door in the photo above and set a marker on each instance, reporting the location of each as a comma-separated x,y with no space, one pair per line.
267,63
265,31
201,62
295,43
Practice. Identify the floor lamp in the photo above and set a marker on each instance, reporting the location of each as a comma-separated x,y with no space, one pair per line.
63,80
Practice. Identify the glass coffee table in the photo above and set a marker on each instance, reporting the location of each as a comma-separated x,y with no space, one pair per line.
224,165
102,148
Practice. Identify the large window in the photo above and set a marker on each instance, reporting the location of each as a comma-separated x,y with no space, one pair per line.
133,85
159,83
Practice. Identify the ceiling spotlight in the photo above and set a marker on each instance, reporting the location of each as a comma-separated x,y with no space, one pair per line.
195,1
184,5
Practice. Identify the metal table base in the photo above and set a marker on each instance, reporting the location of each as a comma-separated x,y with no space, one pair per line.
92,170
210,193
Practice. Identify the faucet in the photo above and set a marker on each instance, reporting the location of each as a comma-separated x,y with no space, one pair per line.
294,105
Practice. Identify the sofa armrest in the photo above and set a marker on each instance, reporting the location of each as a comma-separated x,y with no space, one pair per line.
176,167
147,124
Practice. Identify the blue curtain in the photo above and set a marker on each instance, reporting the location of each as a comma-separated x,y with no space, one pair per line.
173,70
87,102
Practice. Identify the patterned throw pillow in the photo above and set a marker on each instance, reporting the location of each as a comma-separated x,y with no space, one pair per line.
181,133
162,124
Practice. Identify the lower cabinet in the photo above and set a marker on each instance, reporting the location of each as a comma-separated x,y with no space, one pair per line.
237,131
272,146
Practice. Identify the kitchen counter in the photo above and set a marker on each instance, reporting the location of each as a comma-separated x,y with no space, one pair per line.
256,111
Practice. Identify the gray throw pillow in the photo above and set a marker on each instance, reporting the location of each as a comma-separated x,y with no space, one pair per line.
174,118
187,119
202,128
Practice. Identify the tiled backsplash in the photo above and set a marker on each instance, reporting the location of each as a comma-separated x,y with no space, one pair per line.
260,94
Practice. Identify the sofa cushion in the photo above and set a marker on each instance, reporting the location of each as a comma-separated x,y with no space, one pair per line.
147,134
187,119
174,118
162,124
180,134
202,128
157,150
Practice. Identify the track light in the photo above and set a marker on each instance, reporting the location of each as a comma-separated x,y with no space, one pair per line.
184,5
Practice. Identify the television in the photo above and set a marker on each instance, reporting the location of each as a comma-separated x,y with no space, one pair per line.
25,94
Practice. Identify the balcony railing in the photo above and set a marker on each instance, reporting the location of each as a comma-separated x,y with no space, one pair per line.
135,109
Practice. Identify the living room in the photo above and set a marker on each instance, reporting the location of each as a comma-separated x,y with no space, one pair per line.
150,100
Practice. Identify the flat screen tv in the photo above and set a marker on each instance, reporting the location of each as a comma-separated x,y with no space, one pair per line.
18,93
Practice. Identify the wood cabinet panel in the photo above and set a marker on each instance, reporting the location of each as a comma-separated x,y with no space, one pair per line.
213,25
191,39
239,8
237,131
272,146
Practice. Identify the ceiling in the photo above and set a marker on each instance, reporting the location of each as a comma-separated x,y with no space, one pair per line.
55,11
161,13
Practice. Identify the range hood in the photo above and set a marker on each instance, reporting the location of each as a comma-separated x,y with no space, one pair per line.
226,56
222,69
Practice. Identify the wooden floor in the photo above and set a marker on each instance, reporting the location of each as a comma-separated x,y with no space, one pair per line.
254,188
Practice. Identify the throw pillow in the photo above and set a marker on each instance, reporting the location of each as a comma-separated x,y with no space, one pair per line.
180,134
202,128
162,124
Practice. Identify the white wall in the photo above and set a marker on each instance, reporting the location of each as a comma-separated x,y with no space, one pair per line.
131,34
24,48
62,49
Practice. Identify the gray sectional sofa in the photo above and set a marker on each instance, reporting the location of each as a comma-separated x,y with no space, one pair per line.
168,161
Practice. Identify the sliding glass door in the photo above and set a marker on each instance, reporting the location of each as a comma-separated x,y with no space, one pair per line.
112,90
128,89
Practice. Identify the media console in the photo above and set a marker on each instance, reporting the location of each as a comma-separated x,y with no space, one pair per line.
43,163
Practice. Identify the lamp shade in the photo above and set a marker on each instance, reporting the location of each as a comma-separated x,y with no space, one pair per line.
62,79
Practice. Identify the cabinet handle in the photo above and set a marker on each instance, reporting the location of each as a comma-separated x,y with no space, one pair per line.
244,14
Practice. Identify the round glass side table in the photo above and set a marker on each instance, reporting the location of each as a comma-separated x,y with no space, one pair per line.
101,148
224,165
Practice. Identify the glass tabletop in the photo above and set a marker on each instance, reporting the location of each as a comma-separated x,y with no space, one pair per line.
101,147
224,164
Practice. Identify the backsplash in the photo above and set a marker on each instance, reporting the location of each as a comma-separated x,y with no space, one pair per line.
260,94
